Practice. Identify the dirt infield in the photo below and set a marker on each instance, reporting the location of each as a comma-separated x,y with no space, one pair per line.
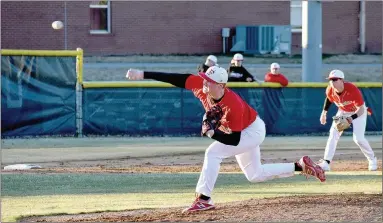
186,155
167,154
322,208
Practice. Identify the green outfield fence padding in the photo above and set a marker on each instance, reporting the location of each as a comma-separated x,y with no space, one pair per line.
38,95
157,111
42,93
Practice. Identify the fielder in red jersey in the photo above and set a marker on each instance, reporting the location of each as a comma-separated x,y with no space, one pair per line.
241,133
349,100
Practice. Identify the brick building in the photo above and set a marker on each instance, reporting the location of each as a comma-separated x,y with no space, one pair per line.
121,28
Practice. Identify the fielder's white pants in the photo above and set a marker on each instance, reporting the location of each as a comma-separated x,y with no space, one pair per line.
248,156
358,129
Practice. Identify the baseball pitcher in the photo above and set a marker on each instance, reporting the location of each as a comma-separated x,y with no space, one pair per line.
351,110
236,128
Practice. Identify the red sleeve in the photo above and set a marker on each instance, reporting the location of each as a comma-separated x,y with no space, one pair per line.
358,98
194,82
283,80
276,79
369,111
268,77
328,94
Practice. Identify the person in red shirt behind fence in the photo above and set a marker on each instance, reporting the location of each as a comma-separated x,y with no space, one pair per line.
272,98
275,76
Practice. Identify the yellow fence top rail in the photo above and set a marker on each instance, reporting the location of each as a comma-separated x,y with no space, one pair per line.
78,53
63,53
157,84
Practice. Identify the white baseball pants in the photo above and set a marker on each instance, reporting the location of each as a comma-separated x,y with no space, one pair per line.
248,156
358,129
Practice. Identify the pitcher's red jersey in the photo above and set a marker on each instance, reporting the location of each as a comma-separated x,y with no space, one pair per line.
238,115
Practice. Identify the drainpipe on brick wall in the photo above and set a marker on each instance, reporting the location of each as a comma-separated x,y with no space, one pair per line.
362,26
65,28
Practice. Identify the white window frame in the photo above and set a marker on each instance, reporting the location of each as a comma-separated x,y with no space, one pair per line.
107,6
294,5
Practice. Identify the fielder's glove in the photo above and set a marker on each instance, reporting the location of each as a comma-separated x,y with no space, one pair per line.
211,120
341,123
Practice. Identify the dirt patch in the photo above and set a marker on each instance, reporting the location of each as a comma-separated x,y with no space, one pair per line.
345,160
346,165
353,161
321,208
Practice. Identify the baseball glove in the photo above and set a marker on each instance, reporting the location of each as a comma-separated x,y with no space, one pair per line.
211,119
341,123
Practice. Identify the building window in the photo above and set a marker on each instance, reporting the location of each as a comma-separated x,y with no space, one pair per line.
100,17
296,15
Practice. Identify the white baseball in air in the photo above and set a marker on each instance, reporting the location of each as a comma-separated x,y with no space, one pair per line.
57,25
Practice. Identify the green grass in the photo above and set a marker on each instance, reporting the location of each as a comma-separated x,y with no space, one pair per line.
50,194
353,74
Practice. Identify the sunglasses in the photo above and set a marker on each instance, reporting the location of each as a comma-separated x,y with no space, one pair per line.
335,79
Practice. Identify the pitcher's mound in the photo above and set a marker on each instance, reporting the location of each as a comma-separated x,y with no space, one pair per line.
323,208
